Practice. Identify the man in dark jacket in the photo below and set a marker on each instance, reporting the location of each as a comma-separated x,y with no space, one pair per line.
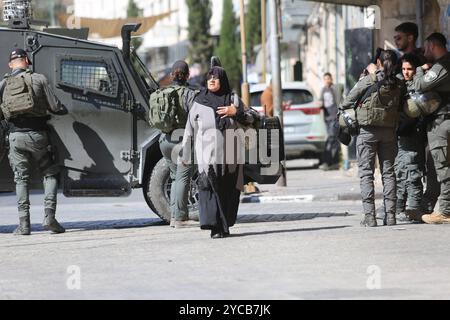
330,97
405,39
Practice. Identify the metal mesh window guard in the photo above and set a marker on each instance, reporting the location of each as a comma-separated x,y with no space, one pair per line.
88,75
17,9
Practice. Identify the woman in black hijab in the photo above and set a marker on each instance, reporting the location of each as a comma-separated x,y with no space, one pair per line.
215,110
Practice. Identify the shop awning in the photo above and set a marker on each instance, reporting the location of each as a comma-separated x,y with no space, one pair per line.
110,28
359,3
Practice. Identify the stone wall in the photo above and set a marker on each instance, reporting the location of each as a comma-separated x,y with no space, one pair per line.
395,12
445,18
322,46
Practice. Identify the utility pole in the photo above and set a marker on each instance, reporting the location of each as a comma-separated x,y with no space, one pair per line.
264,40
276,75
245,88
52,5
250,187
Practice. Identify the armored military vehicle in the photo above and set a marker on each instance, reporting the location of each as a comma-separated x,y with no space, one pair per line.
104,144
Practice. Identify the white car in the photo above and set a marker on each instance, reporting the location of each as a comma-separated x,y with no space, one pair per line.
305,133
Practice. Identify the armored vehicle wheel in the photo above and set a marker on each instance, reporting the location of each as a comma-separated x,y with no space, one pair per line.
158,192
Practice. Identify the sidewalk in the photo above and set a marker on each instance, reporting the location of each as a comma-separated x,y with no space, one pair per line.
306,184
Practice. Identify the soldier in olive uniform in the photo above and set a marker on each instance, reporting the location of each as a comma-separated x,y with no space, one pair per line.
181,174
437,78
25,98
377,97
405,39
410,161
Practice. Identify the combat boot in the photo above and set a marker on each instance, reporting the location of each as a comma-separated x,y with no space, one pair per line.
414,215
24,228
389,219
380,213
436,218
185,224
369,220
401,216
50,223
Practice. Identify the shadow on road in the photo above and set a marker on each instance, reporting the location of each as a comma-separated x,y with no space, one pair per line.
252,218
95,225
143,223
286,231
301,168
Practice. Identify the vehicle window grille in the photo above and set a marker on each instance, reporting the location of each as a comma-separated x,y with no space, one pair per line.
90,75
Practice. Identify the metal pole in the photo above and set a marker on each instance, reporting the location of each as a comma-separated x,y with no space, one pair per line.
52,5
245,88
276,74
264,40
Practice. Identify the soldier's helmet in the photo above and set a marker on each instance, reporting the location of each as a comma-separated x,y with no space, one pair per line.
344,136
422,104
347,119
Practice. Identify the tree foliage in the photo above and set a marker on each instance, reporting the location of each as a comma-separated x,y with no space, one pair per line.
253,27
201,46
48,10
229,46
134,11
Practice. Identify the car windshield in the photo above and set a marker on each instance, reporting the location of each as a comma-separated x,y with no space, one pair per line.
295,96
143,73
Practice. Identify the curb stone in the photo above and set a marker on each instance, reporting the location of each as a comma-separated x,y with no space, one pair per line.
304,198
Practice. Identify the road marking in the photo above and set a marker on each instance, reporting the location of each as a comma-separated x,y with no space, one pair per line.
279,199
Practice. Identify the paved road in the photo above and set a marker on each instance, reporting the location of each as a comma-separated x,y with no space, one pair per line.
117,249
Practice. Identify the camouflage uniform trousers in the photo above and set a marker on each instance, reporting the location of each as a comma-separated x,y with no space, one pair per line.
29,149
409,167
433,188
438,138
181,177
373,141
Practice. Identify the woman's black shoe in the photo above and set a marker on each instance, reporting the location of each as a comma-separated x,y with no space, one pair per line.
217,235
214,233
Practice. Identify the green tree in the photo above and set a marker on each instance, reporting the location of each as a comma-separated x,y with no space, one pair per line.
253,27
201,46
41,10
229,46
48,10
133,11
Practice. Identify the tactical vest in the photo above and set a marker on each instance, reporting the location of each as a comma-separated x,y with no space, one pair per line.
381,107
444,89
19,98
